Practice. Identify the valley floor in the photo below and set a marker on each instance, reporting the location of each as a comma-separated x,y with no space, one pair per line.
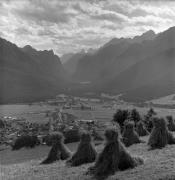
24,165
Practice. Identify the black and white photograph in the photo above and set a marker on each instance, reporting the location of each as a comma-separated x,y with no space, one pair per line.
87,89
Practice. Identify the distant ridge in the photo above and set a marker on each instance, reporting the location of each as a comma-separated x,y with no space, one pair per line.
132,67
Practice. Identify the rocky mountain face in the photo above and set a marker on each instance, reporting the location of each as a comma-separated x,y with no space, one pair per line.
49,63
137,67
102,64
27,74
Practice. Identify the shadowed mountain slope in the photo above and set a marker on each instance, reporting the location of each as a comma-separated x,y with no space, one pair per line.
28,76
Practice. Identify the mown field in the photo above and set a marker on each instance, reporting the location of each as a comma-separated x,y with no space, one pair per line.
25,165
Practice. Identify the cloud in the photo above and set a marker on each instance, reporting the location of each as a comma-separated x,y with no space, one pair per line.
109,16
22,31
72,25
43,11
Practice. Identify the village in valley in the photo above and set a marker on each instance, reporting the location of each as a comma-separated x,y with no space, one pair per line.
64,110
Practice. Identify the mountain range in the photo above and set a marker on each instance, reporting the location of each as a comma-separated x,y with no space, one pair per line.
139,68
117,53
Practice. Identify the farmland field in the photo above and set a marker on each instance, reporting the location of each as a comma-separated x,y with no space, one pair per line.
32,113
36,112
25,165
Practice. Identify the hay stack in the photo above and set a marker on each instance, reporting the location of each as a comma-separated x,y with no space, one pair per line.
58,151
130,136
85,153
141,129
171,123
114,157
25,141
160,136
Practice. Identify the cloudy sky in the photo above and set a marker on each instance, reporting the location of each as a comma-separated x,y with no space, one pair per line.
71,25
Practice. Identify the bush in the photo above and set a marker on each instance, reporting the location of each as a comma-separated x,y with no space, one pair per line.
135,116
120,116
151,112
25,141
71,135
169,118
148,119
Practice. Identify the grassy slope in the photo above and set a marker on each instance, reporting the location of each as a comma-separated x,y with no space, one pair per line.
24,165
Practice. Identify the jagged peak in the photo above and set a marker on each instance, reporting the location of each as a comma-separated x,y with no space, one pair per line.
50,51
149,32
31,49
28,47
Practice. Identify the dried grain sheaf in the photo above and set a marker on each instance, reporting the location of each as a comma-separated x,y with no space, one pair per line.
114,157
59,151
130,136
85,153
160,136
